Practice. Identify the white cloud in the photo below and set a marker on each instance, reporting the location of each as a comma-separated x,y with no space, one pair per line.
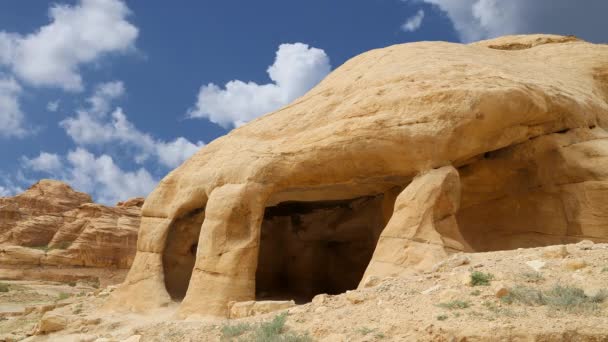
103,96
46,162
296,69
103,178
481,19
93,126
76,35
414,22
11,116
174,153
52,106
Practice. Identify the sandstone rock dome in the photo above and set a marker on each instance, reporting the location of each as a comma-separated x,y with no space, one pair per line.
400,157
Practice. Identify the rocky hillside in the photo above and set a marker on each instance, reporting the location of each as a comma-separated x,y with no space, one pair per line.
50,224
556,293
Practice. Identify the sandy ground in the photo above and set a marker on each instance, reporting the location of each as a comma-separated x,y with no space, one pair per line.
439,305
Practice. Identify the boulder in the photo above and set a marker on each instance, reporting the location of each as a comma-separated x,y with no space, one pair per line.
253,308
51,322
555,252
398,159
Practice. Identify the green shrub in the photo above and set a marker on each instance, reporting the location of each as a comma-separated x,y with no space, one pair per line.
442,317
72,283
63,296
566,298
455,304
4,287
365,330
230,331
273,331
481,279
475,293
532,277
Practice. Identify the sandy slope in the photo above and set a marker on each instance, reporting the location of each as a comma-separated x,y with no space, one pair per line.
404,309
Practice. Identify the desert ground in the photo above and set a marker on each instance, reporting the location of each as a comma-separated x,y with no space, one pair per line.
538,294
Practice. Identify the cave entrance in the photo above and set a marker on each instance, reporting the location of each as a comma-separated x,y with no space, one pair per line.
180,252
309,248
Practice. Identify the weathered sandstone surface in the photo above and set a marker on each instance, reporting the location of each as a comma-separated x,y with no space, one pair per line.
399,158
50,224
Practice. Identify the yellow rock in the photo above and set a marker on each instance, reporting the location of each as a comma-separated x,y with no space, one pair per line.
399,158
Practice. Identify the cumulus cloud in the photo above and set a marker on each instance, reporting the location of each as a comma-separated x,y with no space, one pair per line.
11,116
96,126
296,69
52,106
46,162
414,22
76,35
481,19
103,178
97,175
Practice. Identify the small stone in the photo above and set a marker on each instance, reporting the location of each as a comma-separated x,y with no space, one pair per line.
321,309
536,265
455,261
319,299
585,245
51,322
500,290
266,306
372,281
431,290
593,291
555,252
574,264
354,297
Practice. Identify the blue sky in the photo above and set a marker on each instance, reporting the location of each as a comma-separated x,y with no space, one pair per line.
110,95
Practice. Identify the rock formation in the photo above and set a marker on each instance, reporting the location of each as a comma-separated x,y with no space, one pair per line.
494,145
50,224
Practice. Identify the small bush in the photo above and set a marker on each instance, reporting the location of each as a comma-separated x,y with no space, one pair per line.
475,293
270,330
365,330
498,310
525,295
273,331
4,287
63,296
442,317
72,284
604,269
532,277
455,304
481,279
230,331
566,298
42,248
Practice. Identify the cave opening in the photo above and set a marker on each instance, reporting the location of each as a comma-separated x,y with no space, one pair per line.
309,248
180,252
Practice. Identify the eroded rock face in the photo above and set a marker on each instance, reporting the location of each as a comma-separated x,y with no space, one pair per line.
493,145
50,224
